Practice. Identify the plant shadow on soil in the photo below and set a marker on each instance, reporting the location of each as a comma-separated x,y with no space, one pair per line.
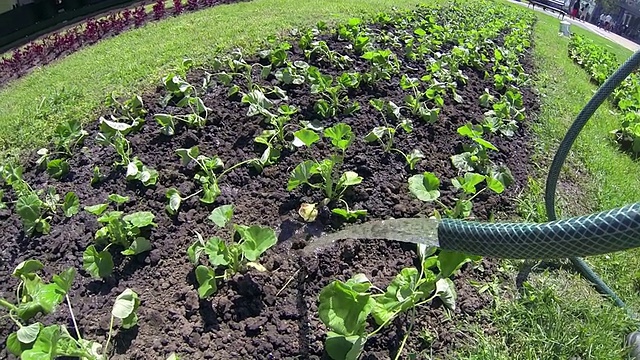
269,315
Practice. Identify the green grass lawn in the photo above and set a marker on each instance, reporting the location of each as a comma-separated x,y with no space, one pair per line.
558,315
76,86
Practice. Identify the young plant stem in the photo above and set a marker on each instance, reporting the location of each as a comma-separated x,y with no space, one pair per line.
192,195
440,203
478,193
73,318
288,282
9,306
399,152
225,172
406,334
16,321
106,346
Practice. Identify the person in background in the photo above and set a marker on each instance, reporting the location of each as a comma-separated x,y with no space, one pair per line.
584,13
607,22
601,20
575,9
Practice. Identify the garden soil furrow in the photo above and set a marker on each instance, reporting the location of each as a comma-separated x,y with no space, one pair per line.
256,315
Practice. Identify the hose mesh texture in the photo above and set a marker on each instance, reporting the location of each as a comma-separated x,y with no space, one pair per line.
605,232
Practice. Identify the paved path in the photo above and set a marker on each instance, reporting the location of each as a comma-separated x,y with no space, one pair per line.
593,28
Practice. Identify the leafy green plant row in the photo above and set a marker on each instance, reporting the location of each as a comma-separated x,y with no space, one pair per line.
345,307
35,340
601,63
382,48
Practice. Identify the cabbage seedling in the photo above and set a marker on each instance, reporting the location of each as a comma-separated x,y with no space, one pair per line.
233,256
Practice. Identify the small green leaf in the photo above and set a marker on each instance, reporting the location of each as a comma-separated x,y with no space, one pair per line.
186,155
206,280
125,308
349,215
167,122
462,161
446,291
140,219
58,168
138,246
344,347
265,136
485,143
174,201
495,185
502,174
344,307
257,239
194,251
468,183
414,157
125,304
148,176
65,279
425,187
119,200
211,191
406,125
349,178
301,174
97,264
110,217
305,137
29,208
71,205
341,135
27,267
15,346
217,251
28,334
45,344
221,215
96,210
377,133
450,261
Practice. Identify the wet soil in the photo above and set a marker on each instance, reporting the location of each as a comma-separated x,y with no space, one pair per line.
255,315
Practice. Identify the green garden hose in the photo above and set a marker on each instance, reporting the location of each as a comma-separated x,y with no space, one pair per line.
601,233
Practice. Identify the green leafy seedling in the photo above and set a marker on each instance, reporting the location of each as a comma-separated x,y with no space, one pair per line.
208,166
233,256
36,341
124,231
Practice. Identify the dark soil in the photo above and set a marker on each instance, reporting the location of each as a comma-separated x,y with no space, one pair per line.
256,315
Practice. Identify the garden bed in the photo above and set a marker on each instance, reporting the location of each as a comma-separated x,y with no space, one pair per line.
274,314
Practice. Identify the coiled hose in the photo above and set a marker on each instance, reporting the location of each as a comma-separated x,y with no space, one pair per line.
600,233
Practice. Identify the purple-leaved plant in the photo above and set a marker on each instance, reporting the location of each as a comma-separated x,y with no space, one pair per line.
192,5
158,10
139,16
177,7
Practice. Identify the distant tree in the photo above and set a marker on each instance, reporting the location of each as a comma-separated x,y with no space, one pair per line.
610,6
